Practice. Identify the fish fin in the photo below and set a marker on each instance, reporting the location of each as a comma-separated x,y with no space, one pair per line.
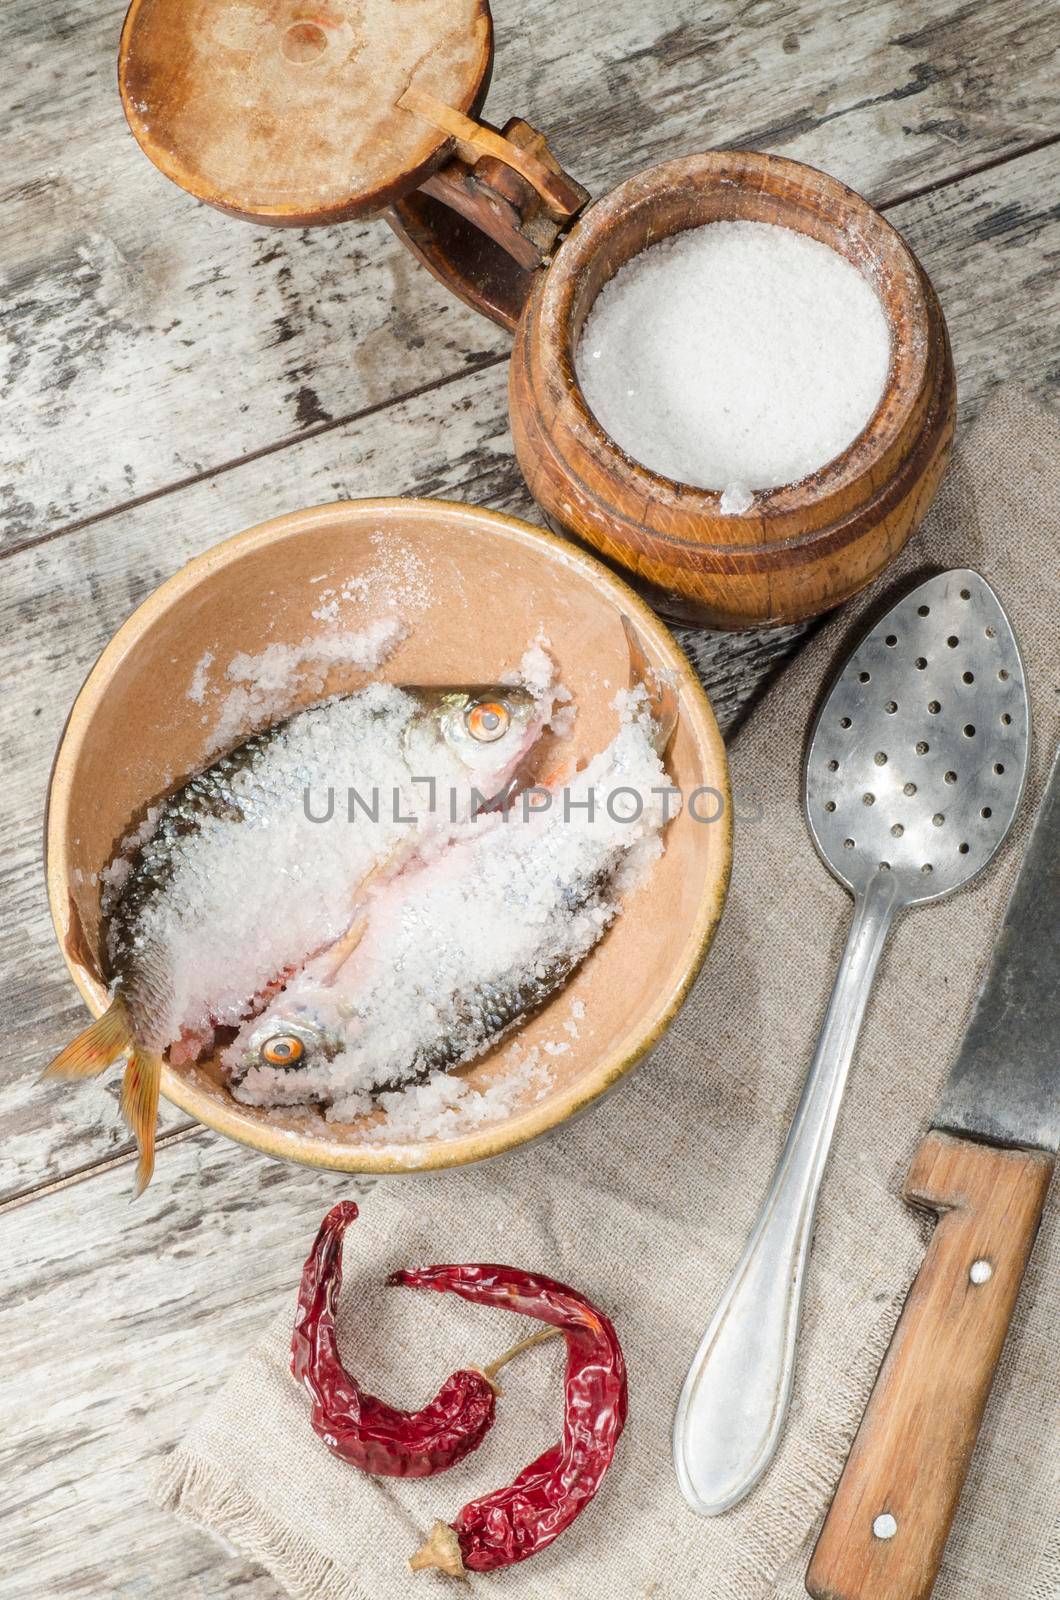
101,1044
344,947
558,775
139,1107
347,942
662,697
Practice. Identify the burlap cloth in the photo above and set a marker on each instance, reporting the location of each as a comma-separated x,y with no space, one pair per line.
645,1203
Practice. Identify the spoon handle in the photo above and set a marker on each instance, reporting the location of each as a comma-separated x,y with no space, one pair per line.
735,1398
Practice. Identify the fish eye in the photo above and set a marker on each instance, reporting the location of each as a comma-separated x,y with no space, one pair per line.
282,1050
488,720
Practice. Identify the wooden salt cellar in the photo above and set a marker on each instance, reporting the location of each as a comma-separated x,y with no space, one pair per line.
295,116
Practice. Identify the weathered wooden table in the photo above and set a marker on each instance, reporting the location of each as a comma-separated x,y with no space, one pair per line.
170,377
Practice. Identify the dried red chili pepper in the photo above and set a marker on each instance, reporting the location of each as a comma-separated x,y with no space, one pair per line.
517,1521
354,1425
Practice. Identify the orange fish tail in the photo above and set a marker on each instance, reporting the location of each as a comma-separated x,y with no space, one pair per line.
101,1044
139,1107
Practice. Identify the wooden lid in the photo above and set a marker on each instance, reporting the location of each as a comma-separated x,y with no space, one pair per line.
286,112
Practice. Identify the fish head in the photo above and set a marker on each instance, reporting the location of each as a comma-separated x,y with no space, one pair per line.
489,729
280,1044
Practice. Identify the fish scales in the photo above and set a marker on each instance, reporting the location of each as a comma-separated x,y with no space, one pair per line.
228,905
230,885
459,949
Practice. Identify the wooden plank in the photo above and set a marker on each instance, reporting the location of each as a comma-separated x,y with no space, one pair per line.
61,601
151,340
120,1326
167,1299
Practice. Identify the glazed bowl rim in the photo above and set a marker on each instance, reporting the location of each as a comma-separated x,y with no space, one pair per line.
226,1116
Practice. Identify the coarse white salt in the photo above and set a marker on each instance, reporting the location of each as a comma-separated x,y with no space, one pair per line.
279,665
251,892
385,599
535,669
200,678
736,498
248,883
447,1105
536,672
115,874
459,946
735,356
266,679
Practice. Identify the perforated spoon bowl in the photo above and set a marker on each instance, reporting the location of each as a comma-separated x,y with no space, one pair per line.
914,772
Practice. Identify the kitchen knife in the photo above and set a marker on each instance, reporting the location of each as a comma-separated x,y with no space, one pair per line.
984,1167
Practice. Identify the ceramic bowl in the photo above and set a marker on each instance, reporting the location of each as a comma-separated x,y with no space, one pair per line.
475,587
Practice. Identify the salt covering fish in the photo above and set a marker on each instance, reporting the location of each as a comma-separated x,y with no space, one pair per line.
230,885
463,943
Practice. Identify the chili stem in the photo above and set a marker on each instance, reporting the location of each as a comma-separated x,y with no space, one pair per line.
494,1367
441,1551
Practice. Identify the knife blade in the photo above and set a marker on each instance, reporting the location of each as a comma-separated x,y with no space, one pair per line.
1004,1086
984,1168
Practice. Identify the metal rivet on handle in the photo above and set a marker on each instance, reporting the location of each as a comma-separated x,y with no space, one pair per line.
885,1526
980,1271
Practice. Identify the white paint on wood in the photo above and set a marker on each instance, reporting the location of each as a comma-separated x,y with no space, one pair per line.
149,340
122,292
61,601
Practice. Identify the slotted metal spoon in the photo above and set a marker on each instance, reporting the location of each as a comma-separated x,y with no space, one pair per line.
914,772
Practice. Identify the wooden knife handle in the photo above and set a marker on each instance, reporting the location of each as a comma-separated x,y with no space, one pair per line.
885,1533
